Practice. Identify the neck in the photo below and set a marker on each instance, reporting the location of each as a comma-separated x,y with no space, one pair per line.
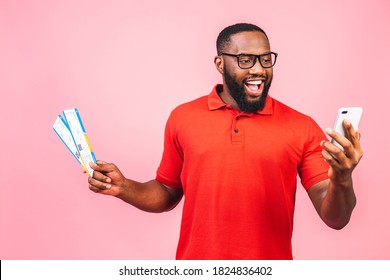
227,98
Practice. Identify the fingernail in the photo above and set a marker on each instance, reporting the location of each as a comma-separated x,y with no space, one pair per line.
108,186
328,130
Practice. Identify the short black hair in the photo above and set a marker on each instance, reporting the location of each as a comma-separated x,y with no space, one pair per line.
224,36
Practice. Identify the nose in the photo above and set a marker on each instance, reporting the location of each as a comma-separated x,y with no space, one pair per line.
257,69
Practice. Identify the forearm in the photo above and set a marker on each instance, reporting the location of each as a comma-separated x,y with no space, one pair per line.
335,199
338,204
151,196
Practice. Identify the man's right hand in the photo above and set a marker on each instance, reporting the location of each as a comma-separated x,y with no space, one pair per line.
152,196
107,179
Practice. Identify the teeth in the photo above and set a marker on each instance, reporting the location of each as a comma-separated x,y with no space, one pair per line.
254,82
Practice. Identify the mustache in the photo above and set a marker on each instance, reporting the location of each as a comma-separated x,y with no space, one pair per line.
255,77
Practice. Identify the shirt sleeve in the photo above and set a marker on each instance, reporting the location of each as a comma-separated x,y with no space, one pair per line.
313,168
169,170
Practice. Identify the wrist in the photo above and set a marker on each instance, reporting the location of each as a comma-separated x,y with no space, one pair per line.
341,183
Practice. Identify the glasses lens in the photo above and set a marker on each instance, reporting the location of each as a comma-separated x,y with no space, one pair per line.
267,60
246,61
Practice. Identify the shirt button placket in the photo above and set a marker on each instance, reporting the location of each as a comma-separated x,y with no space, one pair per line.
237,133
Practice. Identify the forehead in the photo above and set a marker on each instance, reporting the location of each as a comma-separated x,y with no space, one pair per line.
253,42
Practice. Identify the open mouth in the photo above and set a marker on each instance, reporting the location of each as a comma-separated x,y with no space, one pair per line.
254,88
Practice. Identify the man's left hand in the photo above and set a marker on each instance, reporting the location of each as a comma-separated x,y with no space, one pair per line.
342,163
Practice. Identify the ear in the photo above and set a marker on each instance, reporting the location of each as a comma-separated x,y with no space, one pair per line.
219,64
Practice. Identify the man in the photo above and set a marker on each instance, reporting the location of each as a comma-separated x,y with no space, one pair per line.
235,155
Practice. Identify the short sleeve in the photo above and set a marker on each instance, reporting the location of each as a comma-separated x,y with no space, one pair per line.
169,170
313,168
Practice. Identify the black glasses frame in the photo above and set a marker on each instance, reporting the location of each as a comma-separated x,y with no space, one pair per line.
257,57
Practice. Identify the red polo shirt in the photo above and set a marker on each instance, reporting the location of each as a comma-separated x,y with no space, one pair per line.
239,173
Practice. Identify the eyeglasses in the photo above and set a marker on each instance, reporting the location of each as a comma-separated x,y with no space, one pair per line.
246,61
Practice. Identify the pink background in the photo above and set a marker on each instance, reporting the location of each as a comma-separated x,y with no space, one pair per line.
126,65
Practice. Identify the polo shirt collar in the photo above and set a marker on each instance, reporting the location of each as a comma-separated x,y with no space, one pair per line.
215,102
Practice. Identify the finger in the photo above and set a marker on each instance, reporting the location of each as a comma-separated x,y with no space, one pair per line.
102,166
348,126
349,145
94,189
96,184
111,191
332,154
350,132
101,177
353,150
336,136
355,139
331,160
328,157
358,134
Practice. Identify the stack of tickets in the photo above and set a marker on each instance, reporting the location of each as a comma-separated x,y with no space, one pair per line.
71,131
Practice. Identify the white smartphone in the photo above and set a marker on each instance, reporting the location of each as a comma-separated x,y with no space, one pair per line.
353,114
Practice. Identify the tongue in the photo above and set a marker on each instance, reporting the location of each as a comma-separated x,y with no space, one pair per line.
252,87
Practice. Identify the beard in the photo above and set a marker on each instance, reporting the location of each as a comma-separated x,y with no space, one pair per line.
238,94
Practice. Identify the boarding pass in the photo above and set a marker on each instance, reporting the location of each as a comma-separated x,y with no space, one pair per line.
70,129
